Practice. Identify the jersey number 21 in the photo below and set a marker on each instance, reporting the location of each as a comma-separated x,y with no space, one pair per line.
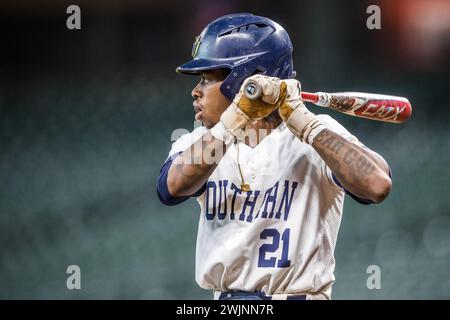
273,247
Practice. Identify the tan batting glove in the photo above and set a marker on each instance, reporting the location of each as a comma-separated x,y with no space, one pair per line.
302,122
231,125
273,93
234,119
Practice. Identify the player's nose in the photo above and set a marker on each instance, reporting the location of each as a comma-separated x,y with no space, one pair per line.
196,92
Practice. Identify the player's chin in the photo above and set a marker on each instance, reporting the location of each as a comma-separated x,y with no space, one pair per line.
208,123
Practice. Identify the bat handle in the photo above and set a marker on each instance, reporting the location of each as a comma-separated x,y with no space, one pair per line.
310,97
253,90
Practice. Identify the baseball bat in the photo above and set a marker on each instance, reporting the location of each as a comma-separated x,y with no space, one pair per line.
372,106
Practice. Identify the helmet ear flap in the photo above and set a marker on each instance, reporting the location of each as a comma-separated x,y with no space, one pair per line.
260,70
231,85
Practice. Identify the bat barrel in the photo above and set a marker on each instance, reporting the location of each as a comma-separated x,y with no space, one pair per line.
387,110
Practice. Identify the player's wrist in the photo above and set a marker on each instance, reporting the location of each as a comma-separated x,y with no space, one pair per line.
304,124
312,130
231,125
219,131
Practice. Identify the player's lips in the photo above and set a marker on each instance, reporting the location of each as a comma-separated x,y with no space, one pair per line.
198,111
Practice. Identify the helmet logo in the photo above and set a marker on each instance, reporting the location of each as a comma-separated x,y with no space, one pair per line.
240,61
195,46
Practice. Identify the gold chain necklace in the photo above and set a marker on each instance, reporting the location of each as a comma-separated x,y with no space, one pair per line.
244,186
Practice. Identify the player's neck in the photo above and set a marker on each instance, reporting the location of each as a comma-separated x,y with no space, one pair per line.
259,130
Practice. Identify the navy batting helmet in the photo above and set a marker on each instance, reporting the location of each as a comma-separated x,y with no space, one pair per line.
245,44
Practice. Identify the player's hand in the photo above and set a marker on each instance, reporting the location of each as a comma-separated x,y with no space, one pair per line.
302,122
242,110
293,99
272,96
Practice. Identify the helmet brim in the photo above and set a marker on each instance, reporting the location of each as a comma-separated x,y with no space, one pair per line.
196,66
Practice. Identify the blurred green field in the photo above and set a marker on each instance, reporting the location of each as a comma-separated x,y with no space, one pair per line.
78,172
86,119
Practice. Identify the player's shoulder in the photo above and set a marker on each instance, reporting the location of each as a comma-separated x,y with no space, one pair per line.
328,121
198,131
194,134
183,139
334,125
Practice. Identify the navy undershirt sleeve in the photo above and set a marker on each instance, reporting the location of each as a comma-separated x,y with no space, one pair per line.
163,192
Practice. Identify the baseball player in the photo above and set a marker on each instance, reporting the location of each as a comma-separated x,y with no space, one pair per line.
270,176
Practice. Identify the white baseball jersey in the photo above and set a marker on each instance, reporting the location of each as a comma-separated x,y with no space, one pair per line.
278,238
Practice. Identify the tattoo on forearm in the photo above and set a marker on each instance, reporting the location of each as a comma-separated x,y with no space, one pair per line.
358,161
329,142
351,156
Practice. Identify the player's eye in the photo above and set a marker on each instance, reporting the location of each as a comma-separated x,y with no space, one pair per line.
203,80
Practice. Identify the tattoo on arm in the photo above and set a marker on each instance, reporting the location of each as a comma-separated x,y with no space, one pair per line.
351,155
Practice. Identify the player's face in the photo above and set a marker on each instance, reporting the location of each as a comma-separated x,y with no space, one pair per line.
209,102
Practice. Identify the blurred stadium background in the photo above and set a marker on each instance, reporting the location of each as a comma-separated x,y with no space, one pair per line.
86,119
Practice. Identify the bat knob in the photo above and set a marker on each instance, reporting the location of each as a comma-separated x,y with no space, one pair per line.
252,90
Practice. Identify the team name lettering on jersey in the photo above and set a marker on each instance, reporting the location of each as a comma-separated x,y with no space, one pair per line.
225,198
